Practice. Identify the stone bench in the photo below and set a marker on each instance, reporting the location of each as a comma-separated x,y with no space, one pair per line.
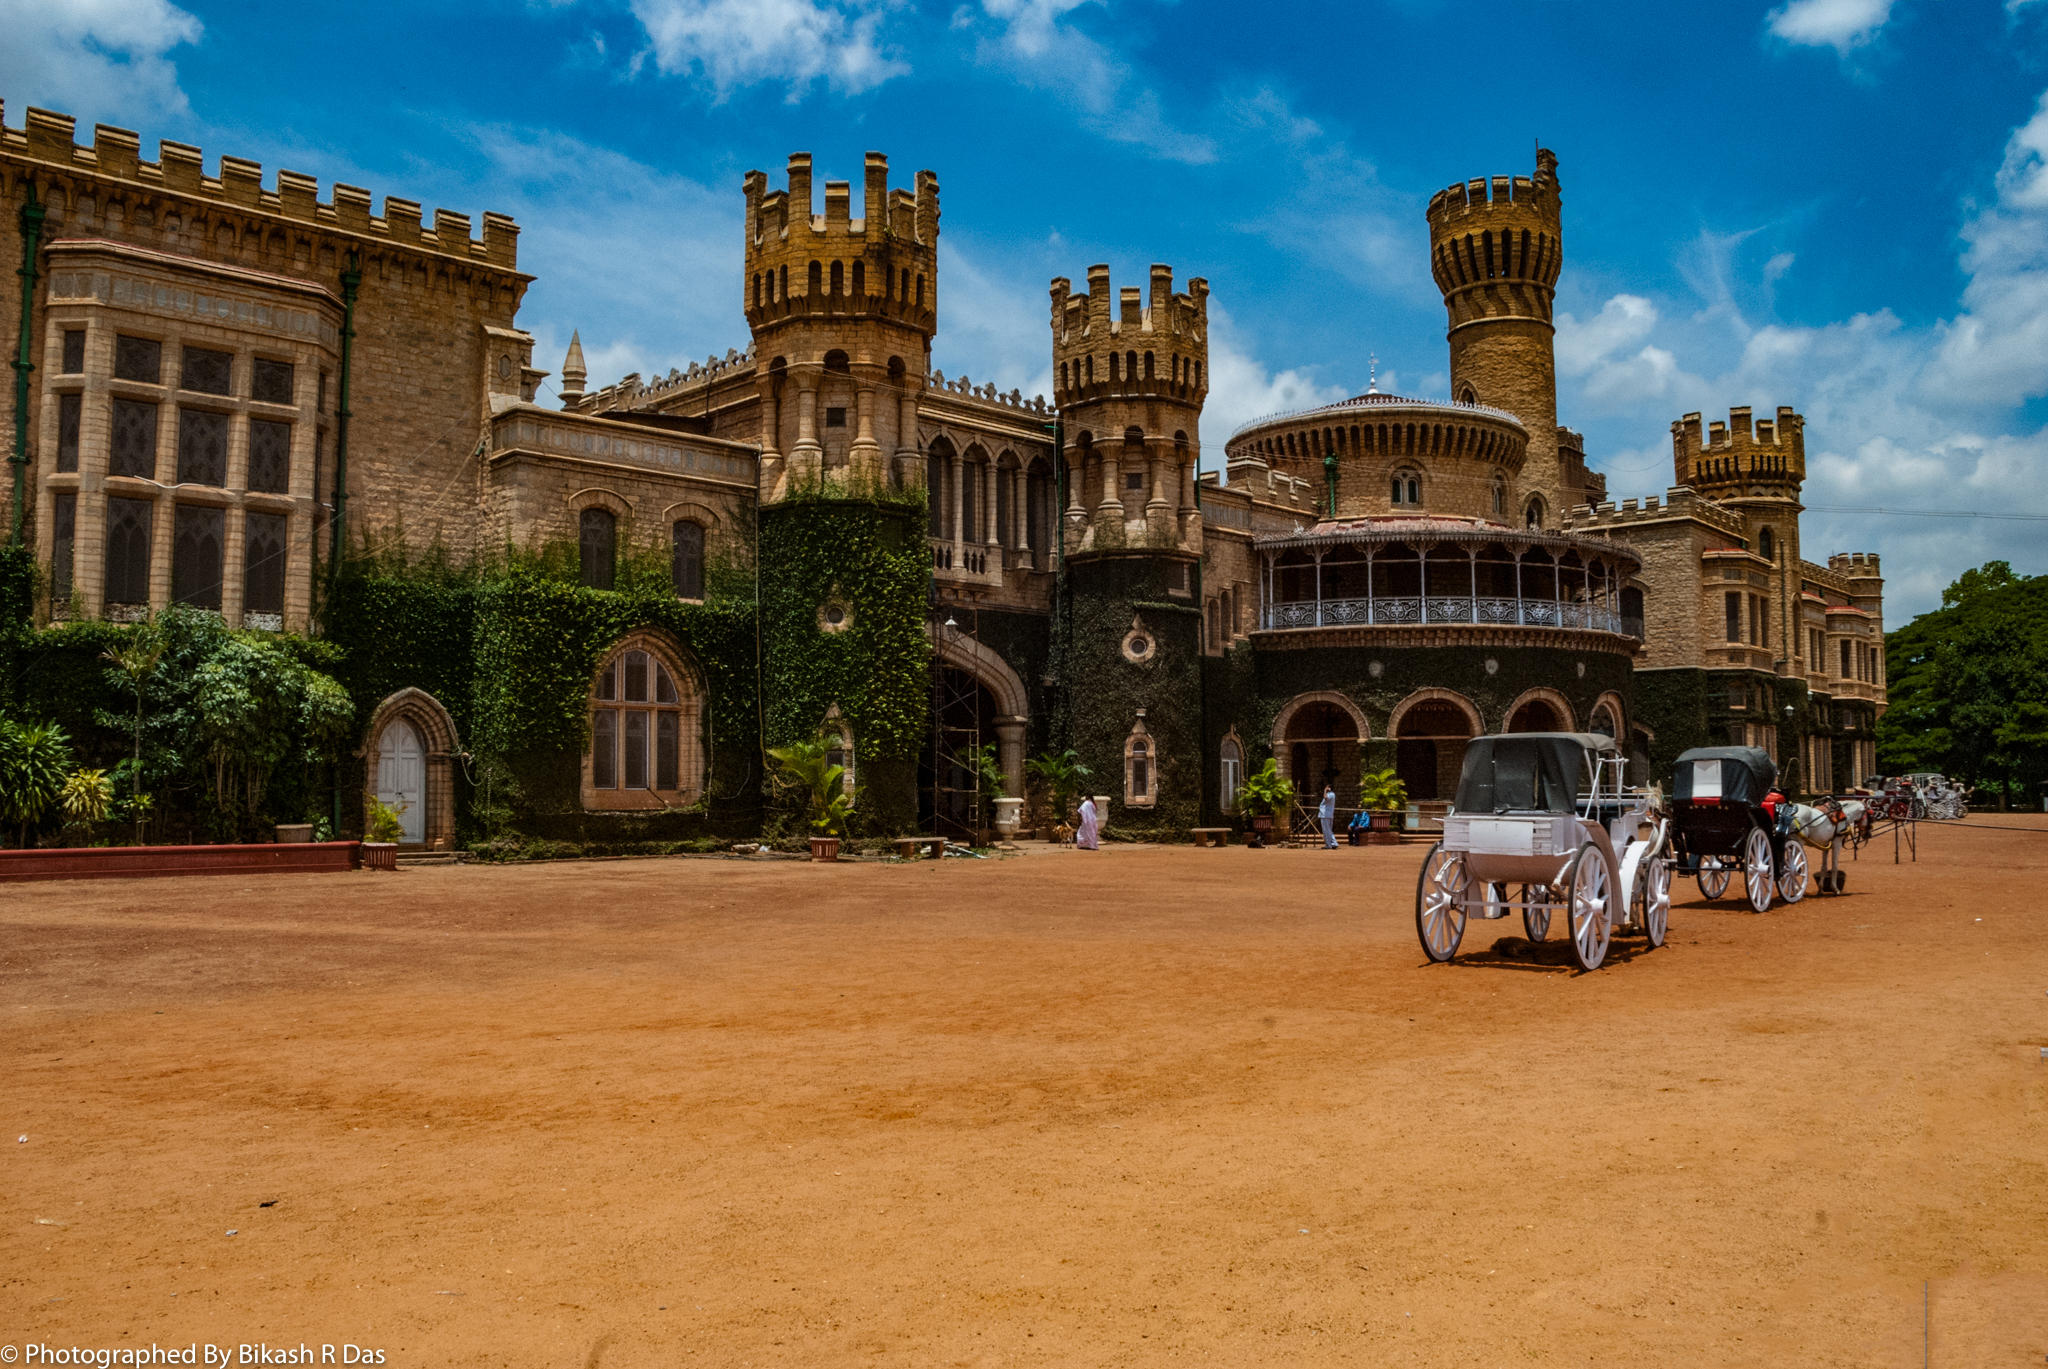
1211,836
906,847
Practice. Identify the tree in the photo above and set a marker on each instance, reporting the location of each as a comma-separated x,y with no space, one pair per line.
35,760
1063,775
138,661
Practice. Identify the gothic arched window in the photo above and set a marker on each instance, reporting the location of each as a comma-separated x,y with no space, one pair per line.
686,558
597,544
645,747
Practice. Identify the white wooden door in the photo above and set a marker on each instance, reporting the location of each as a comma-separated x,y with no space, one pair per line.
401,779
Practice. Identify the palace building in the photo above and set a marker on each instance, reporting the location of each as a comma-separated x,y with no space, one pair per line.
230,384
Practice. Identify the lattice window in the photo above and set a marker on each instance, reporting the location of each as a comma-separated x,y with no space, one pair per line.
134,445
270,456
63,538
686,566
263,564
138,358
128,527
271,381
202,448
74,351
642,727
205,372
67,432
196,557
597,547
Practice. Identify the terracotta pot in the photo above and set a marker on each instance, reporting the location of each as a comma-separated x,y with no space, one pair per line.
1262,822
380,855
825,848
1382,819
294,831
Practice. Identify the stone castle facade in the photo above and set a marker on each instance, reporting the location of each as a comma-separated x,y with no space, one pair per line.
229,385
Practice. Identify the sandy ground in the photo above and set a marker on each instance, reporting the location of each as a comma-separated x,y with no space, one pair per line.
1121,1108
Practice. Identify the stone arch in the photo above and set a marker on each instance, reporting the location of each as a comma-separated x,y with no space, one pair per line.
691,705
1433,694
441,745
1318,696
693,512
595,497
1542,694
1611,702
1298,757
1013,701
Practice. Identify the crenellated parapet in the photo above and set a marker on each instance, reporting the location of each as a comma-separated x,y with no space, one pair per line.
1496,245
1740,455
134,186
1106,345
882,264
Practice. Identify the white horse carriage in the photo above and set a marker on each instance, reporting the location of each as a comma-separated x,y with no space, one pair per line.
1547,813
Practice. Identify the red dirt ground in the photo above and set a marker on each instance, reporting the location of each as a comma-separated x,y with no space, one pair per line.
1122,1108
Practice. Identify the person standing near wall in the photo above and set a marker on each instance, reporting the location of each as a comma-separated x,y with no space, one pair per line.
1328,814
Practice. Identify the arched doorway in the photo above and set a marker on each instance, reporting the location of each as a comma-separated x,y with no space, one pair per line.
402,779
1536,716
1322,748
1429,748
964,718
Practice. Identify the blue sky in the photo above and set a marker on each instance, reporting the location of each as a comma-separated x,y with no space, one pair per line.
1841,205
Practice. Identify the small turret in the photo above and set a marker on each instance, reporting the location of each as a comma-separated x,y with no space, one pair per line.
574,373
1129,374
1739,459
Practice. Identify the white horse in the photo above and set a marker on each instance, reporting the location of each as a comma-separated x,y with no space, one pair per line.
1825,828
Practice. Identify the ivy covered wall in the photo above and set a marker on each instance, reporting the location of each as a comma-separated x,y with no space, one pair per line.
866,561
1103,689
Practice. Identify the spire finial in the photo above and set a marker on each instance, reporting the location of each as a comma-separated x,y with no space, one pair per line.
1372,385
573,370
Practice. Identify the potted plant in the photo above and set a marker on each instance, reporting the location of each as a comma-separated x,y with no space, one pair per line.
380,837
995,792
1264,793
1062,774
805,770
1380,792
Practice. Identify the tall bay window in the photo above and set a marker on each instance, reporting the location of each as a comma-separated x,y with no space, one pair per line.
686,567
202,448
597,540
133,450
63,537
263,563
270,456
128,528
196,556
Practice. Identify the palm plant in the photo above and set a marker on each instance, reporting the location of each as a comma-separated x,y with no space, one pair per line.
35,758
1063,775
1266,791
805,769
86,796
138,661
1381,790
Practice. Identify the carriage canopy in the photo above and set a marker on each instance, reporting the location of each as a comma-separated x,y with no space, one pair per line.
1732,774
1526,772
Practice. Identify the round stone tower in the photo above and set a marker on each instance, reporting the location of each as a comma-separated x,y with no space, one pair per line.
1496,257
842,310
1129,377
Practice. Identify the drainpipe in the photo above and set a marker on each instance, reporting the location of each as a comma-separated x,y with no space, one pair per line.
31,243
1330,475
351,282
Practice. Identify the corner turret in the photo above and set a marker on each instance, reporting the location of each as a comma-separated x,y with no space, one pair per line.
574,373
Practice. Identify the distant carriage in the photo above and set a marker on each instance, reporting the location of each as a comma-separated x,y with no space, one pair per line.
1720,826
1546,813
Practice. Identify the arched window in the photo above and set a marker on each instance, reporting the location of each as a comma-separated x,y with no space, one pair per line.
1138,776
860,279
1632,611
1232,768
1407,489
1468,395
1766,545
835,361
1148,366
645,750
838,279
784,293
686,558
757,289
920,291
1532,515
597,543
1089,362
816,284
1500,498
1115,368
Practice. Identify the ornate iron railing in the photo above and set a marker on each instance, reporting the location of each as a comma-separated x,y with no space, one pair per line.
1415,611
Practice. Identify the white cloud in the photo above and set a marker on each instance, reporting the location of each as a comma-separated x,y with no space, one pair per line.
1838,24
733,43
1242,389
99,59
1040,52
1897,417
993,327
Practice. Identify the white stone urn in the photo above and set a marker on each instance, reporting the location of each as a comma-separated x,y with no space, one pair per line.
1009,813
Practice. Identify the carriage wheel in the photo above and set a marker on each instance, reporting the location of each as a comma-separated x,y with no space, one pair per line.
1713,878
1792,872
1536,921
1656,903
1757,875
1440,902
1592,898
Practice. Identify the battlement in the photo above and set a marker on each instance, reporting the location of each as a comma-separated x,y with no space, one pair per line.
1739,452
883,264
1126,343
48,138
1857,565
1466,204
1498,255
1678,502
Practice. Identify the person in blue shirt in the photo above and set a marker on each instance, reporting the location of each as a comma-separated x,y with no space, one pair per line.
1361,823
1328,813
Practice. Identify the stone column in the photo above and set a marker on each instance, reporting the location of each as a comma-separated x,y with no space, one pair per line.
909,461
233,561
163,536
989,476
1159,472
1112,504
953,473
807,456
865,455
770,471
1010,753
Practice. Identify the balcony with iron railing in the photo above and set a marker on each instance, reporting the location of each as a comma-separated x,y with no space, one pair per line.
1419,611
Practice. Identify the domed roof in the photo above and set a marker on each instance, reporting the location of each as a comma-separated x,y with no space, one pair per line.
1372,404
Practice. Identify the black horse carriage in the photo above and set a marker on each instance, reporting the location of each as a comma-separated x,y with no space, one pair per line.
1719,825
